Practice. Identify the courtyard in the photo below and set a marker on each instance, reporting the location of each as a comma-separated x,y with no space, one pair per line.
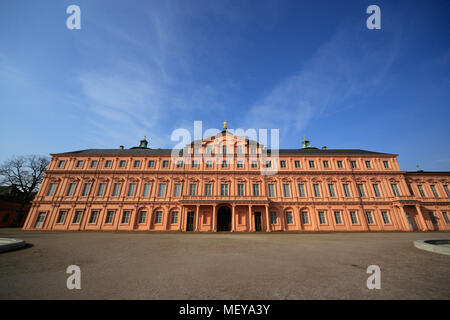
143,265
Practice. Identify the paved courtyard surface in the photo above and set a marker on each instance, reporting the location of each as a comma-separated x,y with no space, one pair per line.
222,266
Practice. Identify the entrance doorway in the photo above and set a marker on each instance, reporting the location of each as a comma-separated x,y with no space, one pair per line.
224,219
190,221
257,221
410,221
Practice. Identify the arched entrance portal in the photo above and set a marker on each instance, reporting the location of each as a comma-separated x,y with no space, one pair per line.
224,219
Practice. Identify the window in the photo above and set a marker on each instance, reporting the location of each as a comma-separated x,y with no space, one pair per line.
256,189
271,190
411,192
177,190
433,188
101,189
322,217
51,189
353,217
447,191
131,189
207,189
224,164
116,189
179,164
108,163
209,164
361,190
297,163
137,164
422,194
346,190
40,220
194,164
311,163
165,163
61,163
151,163
325,164
432,217
268,164
93,217
289,218
337,217
80,163
254,164
385,216
331,190
77,216
109,217
301,190
62,216
192,189
316,190
386,164
239,149
273,218
122,163
94,163
339,164
368,166
369,217
174,219
286,191
305,219
395,190
447,221
283,163
240,164
240,189
224,149
376,190
142,216
87,187
354,164
71,189
147,188
224,189
158,217
162,190
253,151
196,150
209,150
126,216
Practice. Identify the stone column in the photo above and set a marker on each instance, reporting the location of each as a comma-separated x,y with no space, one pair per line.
250,224
267,218
422,219
233,218
197,218
214,223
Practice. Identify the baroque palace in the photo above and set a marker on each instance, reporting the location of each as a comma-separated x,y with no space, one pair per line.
229,183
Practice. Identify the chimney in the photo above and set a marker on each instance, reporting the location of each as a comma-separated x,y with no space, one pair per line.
121,147
324,148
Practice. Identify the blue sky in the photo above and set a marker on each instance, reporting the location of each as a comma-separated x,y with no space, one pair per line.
149,67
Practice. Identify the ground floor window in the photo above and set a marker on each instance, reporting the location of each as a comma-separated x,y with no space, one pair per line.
289,219
142,216
447,221
369,217
385,216
432,217
337,217
174,217
353,217
62,216
126,216
322,217
158,218
94,215
77,216
305,219
40,220
109,216
273,218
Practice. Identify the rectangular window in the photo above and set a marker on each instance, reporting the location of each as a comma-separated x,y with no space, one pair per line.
61,163
337,217
209,164
147,188
179,164
368,166
254,164
331,190
224,189
369,217
194,164
51,190
411,192
447,221
108,163
196,150
376,190
256,189
386,164
325,164
80,163
361,190
192,189
109,216
142,216
316,190
239,149
283,164
94,163
116,189
158,217
354,166
137,163
209,150
305,219
289,217
224,164
286,191
165,163
62,216
339,164
385,216
422,194
346,190
71,189
253,151
77,216
322,217
433,188
297,163
311,163
131,189
87,187
224,149
122,163
353,217
177,190
174,219
151,163
447,191
301,190
273,218
395,190
240,189
162,190
207,189
432,217
268,164
101,189
271,190
126,217
93,217
40,220
240,164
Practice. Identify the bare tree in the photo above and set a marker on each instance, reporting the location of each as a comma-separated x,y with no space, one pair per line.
25,173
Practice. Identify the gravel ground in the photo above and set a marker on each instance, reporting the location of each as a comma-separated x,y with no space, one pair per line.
120,265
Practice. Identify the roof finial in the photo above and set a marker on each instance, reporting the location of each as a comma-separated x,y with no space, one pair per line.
224,126
305,143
